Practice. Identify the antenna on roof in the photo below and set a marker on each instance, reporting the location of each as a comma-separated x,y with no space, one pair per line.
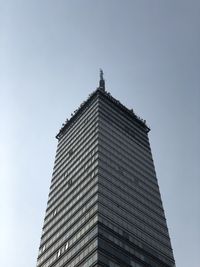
102,81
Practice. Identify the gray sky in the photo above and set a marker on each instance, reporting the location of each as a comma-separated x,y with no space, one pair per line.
50,55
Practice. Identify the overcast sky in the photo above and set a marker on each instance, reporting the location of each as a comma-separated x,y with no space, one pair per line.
50,55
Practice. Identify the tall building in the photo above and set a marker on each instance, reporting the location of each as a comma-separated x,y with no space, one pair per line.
104,207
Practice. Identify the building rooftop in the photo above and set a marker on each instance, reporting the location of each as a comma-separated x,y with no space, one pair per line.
100,90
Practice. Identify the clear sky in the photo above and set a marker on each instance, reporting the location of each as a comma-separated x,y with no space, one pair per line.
50,55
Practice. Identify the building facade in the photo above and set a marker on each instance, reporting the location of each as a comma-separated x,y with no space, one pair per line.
104,207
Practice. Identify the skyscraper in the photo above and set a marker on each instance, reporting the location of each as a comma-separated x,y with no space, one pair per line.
104,206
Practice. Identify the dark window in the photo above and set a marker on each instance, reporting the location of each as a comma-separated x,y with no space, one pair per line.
70,152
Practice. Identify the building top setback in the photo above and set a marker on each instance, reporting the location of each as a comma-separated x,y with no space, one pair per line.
100,92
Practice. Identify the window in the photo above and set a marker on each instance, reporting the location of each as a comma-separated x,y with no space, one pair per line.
121,170
136,180
70,152
134,264
70,182
66,246
58,253
126,235
113,264
54,213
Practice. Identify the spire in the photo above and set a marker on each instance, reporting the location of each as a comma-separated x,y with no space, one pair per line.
102,81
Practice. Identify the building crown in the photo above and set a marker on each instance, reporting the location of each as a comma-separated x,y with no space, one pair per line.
100,91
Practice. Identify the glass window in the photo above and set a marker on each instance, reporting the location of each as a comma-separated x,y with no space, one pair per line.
70,152
58,254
